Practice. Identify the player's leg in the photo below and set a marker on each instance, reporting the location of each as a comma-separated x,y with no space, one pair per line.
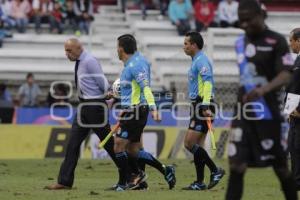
236,180
201,157
66,173
142,165
216,174
148,158
238,154
280,164
294,149
121,159
121,141
137,175
287,182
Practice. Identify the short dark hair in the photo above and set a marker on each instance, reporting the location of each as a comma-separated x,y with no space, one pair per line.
296,33
29,75
195,37
128,43
251,5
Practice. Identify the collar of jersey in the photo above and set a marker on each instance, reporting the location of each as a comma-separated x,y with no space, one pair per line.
199,53
135,55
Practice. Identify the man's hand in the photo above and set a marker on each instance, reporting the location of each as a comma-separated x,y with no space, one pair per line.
156,115
254,94
109,95
85,15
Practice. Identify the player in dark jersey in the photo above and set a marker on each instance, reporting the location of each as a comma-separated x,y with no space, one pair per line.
255,139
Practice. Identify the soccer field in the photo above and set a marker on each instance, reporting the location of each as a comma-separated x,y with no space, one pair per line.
25,179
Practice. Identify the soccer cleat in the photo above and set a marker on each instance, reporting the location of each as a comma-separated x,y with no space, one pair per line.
170,176
137,179
215,177
142,186
121,188
195,186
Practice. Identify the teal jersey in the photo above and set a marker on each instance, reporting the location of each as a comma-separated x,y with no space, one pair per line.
134,78
200,78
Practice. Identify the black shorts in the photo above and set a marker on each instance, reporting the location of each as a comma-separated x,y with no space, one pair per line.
198,122
257,143
133,123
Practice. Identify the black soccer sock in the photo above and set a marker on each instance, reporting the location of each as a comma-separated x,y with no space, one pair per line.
122,163
109,147
289,188
200,155
199,166
133,164
147,158
141,163
235,185
288,184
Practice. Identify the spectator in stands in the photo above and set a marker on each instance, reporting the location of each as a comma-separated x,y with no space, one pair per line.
2,35
204,15
19,11
152,4
5,14
145,5
58,95
69,15
83,10
180,12
4,93
163,7
57,18
43,11
123,6
228,13
29,92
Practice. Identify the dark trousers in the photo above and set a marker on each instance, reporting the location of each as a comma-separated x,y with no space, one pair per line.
88,115
200,26
294,148
225,24
183,27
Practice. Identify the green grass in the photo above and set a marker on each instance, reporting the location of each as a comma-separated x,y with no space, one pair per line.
25,179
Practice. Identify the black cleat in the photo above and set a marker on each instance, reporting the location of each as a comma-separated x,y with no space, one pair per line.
215,177
137,179
142,186
196,186
170,176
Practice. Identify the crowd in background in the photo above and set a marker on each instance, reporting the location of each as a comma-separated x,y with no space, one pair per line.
76,15
60,15
201,14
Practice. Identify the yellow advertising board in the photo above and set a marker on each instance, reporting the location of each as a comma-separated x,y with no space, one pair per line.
42,141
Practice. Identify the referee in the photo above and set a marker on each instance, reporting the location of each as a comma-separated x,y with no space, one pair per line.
92,111
201,92
294,132
137,101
